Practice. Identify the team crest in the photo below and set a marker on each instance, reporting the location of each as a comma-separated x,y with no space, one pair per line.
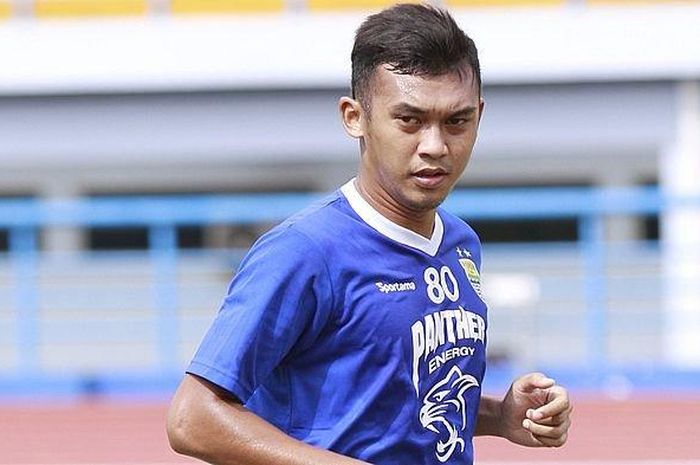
447,396
472,273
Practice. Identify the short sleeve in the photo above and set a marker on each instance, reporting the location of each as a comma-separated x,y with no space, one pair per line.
279,298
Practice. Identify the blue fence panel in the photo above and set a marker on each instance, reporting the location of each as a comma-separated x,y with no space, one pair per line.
23,251
162,215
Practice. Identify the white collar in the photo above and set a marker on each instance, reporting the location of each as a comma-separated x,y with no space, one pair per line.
390,229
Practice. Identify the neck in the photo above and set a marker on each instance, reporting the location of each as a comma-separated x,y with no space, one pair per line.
420,222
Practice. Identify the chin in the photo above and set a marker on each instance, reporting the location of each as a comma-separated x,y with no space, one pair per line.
427,202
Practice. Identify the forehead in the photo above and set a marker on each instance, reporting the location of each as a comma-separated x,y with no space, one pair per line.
442,93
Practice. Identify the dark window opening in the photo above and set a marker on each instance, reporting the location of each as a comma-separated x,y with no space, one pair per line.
137,238
651,228
190,237
526,230
118,238
4,240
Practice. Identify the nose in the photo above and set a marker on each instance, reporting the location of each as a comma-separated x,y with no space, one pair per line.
432,142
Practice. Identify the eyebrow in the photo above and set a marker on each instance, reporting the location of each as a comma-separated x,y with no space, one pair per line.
408,108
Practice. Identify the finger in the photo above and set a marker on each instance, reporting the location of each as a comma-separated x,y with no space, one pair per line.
553,420
552,442
546,431
558,403
546,435
556,419
532,381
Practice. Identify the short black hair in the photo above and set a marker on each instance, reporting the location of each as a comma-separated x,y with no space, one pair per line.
416,39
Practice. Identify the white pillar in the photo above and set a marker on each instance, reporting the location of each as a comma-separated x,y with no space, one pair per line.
680,231
62,238
621,227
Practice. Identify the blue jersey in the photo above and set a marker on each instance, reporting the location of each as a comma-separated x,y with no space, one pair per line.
354,334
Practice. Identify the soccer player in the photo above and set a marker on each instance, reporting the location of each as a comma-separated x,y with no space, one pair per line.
355,331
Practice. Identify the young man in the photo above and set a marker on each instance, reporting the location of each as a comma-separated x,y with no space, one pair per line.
355,332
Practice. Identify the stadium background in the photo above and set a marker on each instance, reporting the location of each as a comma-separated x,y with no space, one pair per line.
145,144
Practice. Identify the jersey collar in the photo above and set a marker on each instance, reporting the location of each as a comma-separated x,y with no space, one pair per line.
390,229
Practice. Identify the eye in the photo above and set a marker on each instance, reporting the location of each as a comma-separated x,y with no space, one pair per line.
438,396
407,119
457,121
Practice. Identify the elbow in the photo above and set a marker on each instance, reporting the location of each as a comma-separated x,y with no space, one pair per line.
195,421
179,429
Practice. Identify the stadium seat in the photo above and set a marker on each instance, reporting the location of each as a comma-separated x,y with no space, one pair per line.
326,5
69,8
5,10
507,3
226,6
637,2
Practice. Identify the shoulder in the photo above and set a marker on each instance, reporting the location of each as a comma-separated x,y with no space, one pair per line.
323,224
321,215
302,236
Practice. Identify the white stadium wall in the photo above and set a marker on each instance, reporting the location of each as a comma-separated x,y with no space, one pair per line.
602,96
311,50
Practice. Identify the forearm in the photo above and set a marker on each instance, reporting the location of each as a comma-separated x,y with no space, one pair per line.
223,432
489,417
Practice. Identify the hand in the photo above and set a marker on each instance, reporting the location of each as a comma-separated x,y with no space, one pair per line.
536,412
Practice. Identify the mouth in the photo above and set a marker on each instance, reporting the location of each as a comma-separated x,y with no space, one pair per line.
438,425
430,178
448,440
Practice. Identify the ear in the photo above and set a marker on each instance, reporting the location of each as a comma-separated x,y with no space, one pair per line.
482,104
351,115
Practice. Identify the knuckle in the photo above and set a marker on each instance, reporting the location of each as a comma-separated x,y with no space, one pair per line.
562,392
562,439
557,441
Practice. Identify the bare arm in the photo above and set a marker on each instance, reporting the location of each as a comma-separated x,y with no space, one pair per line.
206,422
536,412
489,417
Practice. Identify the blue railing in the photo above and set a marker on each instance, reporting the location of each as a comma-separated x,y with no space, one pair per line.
23,219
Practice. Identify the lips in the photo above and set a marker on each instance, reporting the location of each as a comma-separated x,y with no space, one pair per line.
430,178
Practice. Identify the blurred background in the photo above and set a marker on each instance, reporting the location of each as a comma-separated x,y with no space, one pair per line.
145,144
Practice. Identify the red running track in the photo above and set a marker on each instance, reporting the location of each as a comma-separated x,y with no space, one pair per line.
659,428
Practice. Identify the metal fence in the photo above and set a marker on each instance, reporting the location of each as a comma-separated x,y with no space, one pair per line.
127,322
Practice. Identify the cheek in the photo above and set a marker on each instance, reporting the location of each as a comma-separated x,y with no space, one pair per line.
462,148
393,149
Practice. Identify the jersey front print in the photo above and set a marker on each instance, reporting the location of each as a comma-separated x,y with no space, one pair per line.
354,334
447,329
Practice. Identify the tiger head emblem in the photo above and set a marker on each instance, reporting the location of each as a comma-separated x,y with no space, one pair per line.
446,395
